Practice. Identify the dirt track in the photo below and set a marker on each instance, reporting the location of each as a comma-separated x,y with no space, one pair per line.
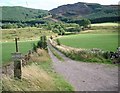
86,76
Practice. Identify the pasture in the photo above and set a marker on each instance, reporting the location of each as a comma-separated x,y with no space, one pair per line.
105,42
105,24
27,36
28,33
103,36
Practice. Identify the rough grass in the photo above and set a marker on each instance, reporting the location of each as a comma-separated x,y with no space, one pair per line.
34,79
37,76
56,54
84,55
28,33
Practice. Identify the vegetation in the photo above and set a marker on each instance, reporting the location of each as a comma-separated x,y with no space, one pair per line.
56,54
102,37
21,14
84,23
106,42
84,41
91,45
25,34
9,47
37,76
58,28
85,55
58,42
96,13
42,43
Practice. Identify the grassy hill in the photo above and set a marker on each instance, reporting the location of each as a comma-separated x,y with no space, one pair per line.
18,13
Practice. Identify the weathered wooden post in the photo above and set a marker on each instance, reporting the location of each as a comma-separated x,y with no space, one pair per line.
17,62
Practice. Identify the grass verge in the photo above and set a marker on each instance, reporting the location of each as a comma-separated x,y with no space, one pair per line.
83,54
56,54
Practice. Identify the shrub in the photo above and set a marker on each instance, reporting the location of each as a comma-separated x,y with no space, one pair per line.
58,42
42,43
34,47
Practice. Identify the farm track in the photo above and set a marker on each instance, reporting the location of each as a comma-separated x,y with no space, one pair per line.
86,76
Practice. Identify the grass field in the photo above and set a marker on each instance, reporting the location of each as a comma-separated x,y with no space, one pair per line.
105,24
28,33
103,36
27,37
9,47
105,42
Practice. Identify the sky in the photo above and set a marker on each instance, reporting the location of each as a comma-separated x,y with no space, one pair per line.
50,4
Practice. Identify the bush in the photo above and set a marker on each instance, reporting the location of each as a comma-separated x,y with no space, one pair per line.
42,43
34,47
58,42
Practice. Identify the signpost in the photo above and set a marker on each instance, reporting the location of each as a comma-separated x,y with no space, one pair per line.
17,61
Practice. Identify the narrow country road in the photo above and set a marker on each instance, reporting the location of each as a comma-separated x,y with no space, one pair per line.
86,76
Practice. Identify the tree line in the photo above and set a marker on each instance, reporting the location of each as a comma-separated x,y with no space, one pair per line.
57,27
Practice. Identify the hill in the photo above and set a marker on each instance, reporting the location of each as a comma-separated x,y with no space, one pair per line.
18,13
67,13
87,10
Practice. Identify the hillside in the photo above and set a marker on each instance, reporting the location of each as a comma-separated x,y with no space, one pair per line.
18,13
86,10
67,13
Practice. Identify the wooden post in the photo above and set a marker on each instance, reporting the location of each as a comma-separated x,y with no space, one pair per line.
16,44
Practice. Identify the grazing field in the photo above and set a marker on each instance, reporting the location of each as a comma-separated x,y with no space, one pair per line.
103,36
105,42
28,33
27,36
9,47
105,24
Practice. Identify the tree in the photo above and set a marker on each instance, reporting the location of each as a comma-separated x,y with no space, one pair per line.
49,27
85,23
59,28
61,31
42,43
55,30
9,26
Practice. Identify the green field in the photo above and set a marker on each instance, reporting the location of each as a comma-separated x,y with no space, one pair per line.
103,36
9,47
102,41
27,36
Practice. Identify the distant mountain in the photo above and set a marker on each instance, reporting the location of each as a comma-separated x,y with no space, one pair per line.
86,10
18,13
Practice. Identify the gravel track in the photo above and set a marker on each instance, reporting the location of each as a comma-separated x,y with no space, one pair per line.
86,76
